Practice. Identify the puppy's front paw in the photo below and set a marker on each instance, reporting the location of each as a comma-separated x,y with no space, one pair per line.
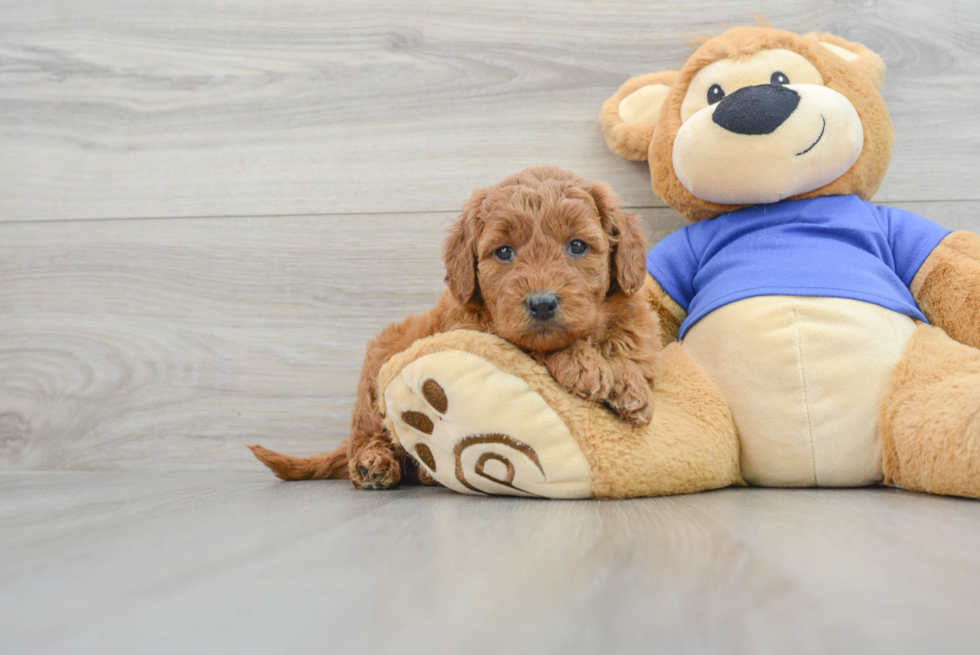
632,398
582,372
375,468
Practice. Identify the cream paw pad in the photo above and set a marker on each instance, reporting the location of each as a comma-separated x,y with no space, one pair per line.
479,430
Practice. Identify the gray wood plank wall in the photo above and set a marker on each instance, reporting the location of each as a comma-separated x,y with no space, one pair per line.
208,206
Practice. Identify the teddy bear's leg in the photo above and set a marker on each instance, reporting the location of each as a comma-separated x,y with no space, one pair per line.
482,417
930,417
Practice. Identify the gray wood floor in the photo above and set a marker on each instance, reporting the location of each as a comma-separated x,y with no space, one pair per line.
206,209
236,562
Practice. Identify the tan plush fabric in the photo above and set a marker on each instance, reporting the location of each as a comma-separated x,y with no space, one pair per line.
856,80
755,68
643,105
823,391
804,378
863,179
728,168
947,287
519,445
670,313
864,59
843,53
631,140
689,446
930,417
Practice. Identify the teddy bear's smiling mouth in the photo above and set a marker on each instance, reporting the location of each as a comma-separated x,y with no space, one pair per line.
822,129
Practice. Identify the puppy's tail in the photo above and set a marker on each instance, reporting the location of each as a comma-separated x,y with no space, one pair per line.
315,467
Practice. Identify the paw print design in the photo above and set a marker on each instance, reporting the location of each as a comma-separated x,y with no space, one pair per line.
478,430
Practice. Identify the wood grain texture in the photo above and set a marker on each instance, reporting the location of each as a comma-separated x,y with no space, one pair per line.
160,108
174,343
330,143
239,563
171,344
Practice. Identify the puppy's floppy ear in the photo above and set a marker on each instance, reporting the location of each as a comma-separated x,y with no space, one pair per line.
629,246
459,253
861,57
630,115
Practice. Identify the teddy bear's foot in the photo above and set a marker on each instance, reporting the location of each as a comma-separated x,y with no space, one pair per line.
930,417
478,430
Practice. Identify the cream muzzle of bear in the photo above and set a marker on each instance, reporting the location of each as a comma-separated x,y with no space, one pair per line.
817,143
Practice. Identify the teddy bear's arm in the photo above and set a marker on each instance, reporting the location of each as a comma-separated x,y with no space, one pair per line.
947,287
670,313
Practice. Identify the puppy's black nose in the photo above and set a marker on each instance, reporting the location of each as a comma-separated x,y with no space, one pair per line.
756,109
541,306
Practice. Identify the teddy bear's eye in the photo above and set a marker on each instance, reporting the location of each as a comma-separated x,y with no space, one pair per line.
715,94
778,78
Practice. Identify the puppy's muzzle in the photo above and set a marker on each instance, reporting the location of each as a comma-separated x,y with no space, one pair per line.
542,305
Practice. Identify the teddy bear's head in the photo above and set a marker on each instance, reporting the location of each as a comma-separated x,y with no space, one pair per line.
757,115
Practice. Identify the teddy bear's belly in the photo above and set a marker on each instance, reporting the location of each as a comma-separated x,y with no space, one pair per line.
804,378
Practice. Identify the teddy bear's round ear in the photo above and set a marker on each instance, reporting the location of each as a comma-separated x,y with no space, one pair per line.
861,57
630,115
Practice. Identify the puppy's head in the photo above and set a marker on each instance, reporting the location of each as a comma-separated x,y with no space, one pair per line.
542,252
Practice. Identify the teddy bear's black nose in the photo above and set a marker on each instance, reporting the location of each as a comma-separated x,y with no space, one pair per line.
756,109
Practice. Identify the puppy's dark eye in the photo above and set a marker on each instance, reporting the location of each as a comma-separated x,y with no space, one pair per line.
504,253
577,247
778,78
715,93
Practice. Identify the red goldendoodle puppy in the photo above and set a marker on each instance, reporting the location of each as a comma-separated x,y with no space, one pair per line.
545,260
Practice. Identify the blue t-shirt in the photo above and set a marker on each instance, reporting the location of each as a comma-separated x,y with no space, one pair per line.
836,246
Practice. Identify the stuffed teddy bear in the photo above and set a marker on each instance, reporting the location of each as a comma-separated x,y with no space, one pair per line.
811,338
